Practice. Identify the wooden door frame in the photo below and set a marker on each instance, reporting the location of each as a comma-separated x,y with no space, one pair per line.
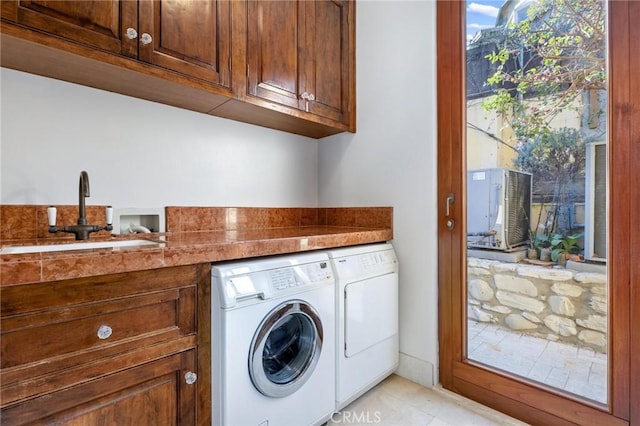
633,142
530,402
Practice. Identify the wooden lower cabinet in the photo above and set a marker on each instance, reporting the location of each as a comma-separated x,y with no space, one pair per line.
110,350
154,393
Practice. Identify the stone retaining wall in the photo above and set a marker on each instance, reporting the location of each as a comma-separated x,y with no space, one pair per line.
554,303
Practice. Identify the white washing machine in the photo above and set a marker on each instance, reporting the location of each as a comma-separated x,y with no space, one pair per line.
366,318
273,341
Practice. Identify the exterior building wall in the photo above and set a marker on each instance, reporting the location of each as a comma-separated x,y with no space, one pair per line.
485,152
542,216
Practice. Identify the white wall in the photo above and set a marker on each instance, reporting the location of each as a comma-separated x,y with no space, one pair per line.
140,153
391,160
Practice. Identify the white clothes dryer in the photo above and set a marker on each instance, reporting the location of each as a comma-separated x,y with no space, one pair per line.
273,341
367,348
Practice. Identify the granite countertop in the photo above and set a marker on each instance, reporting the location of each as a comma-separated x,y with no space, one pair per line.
194,235
177,248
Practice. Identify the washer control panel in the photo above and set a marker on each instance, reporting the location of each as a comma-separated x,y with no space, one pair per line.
296,276
252,281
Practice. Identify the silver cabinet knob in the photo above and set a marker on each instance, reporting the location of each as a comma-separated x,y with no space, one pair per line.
305,96
145,38
131,33
104,332
190,377
308,96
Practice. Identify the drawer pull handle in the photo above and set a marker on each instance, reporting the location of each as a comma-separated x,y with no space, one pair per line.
190,377
104,332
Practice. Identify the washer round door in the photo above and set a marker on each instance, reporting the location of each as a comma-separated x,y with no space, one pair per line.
285,349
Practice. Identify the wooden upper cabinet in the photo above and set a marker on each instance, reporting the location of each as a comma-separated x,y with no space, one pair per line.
328,59
301,54
191,38
282,64
272,51
101,24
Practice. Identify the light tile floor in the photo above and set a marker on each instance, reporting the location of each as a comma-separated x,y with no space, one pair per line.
580,371
399,402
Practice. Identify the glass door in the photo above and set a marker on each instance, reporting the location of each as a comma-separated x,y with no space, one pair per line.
535,304
536,178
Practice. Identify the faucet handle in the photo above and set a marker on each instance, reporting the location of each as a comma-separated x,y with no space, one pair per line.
109,214
51,213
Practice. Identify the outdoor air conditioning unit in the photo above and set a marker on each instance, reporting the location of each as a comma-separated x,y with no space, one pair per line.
498,208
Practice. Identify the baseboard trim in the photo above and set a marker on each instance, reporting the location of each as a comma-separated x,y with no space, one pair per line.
416,370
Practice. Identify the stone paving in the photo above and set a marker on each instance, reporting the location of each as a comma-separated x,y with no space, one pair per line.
580,371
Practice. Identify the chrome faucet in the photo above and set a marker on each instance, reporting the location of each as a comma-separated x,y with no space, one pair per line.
81,230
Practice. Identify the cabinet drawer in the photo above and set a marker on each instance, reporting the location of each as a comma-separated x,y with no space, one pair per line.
75,321
107,323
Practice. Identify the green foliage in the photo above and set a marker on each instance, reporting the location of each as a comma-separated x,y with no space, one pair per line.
553,55
541,241
565,244
557,154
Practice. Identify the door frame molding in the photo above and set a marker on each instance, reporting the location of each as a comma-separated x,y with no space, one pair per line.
528,401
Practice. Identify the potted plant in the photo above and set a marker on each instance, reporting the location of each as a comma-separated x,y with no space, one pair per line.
544,245
564,245
532,252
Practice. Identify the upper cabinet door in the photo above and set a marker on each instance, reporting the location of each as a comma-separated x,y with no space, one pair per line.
273,40
301,54
100,23
328,55
189,37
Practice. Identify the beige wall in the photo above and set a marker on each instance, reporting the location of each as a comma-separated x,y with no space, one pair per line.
543,211
484,152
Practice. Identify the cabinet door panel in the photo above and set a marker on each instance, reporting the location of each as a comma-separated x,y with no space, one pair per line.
190,37
153,393
327,70
98,23
272,51
117,411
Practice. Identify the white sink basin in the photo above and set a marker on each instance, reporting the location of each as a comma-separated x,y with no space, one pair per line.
77,246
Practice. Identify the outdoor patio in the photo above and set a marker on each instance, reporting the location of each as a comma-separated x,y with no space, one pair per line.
581,371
